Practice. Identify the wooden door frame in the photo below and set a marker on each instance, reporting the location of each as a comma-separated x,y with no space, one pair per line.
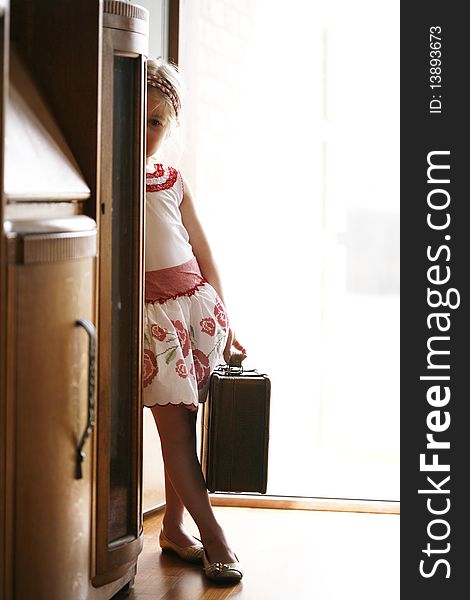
173,20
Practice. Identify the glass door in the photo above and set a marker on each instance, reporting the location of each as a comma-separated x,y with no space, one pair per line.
119,446
125,244
293,153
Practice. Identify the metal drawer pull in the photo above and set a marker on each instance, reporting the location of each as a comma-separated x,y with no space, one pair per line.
90,329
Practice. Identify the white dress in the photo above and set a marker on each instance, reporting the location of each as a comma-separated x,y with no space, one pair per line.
185,322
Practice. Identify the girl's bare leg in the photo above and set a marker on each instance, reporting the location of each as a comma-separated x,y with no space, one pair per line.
177,429
173,524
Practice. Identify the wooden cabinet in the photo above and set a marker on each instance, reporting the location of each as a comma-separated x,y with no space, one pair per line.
119,479
4,507
71,264
50,287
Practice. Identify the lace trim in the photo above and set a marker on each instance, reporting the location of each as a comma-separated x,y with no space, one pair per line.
186,404
189,292
158,173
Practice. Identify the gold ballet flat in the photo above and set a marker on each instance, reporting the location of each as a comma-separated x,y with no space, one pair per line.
192,554
218,571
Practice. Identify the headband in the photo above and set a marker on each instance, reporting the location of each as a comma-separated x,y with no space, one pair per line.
163,85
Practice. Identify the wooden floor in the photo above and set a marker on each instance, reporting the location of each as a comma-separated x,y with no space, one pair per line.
286,555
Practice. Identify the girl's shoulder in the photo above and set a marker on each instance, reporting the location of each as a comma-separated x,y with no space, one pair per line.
160,176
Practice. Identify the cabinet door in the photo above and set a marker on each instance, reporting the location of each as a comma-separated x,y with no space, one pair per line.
52,523
119,510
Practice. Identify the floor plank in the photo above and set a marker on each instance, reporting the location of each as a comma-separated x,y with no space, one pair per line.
286,554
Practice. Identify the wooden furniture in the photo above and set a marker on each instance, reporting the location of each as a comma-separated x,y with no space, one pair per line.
119,439
72,75
4,28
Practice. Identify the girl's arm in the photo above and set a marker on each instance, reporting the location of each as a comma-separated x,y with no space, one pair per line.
203,254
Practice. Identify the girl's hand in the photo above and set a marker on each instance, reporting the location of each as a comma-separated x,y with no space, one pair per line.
232,341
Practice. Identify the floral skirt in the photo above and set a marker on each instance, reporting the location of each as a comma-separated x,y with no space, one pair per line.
185,332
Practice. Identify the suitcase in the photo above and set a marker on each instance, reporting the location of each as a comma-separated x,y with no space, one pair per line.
235,431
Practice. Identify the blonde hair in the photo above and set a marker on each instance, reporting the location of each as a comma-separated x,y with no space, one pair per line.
170,73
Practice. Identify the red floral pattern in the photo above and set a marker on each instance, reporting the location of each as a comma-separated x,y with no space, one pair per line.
158,332
187,338
201,363
183,337
150,367
159,171
208,326
181,368
220,315
162,178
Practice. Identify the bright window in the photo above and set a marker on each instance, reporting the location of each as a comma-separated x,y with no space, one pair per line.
293,150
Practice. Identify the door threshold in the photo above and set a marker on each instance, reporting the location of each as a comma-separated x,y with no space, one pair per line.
306,503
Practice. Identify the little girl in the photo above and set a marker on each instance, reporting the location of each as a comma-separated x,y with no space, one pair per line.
186,334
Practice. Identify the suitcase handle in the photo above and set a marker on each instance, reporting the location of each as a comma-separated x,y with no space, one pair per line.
229,370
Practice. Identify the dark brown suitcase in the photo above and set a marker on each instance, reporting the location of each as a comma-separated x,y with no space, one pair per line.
235,431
